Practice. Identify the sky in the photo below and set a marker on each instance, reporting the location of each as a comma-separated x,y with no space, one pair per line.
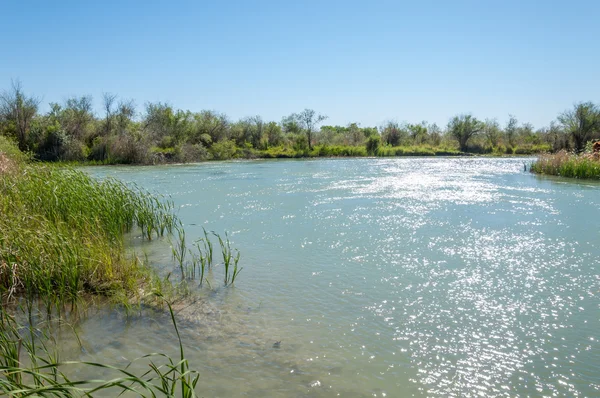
354,61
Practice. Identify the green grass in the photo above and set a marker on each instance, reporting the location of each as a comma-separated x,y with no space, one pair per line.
61,238
61,232
584,166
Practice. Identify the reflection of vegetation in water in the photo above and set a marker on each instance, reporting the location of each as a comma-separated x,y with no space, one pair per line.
30,366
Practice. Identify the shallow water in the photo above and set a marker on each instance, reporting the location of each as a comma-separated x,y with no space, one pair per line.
380,277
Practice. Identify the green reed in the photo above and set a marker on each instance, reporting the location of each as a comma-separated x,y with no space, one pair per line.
61,233
208,248
30,366
193,262
564,164
228,257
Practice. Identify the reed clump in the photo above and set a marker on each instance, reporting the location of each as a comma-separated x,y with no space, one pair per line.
61,231
194,262
565,164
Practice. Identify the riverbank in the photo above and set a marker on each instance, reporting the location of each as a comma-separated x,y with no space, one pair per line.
564,164
62,232
61,242
321,152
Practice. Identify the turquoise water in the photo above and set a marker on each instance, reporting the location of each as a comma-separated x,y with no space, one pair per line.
381,277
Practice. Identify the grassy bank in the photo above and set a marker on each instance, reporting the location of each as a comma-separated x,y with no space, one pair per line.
62,231
61,237
564,164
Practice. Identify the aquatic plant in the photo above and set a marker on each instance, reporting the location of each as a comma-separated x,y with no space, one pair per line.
227,252
61,233
30,366
208,247
199,257
564,164
179,250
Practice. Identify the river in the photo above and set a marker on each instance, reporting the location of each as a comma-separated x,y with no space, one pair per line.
398,277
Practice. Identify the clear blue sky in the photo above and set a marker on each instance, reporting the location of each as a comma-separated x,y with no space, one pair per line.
355,61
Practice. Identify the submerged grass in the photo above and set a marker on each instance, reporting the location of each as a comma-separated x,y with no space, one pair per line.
30,366
564,164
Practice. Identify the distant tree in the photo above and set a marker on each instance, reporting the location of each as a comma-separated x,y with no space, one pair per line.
308,120
392,134
355,134
418,132
168,127
372,144
510,131
290,125
17,111
582,122
108,102
492,131
370,131
210,127
526,134
125,114
556,136
273,134
463,127
75,116
435,134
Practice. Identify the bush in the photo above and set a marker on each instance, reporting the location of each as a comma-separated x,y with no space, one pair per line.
372,145
568,165
58,249
223,150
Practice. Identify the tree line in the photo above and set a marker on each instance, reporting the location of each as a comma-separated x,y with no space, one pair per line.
121,133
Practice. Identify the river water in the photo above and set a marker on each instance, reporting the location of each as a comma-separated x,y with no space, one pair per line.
379,277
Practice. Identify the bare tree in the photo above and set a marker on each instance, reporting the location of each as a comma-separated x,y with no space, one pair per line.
435,134
108,101
125,114
308,121
511,130
582,122
18,109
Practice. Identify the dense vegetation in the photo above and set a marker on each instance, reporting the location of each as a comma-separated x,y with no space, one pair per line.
564,164
62,237
62,231
120,133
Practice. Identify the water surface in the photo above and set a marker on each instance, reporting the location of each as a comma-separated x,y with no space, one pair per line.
381,277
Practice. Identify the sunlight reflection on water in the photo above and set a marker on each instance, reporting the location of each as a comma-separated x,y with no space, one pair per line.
436,277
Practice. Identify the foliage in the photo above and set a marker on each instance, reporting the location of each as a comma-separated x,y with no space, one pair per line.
372,144
62,232
71,131
463,127
565,164
582,123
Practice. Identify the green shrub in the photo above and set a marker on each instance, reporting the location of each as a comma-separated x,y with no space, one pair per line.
585,166
223,150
